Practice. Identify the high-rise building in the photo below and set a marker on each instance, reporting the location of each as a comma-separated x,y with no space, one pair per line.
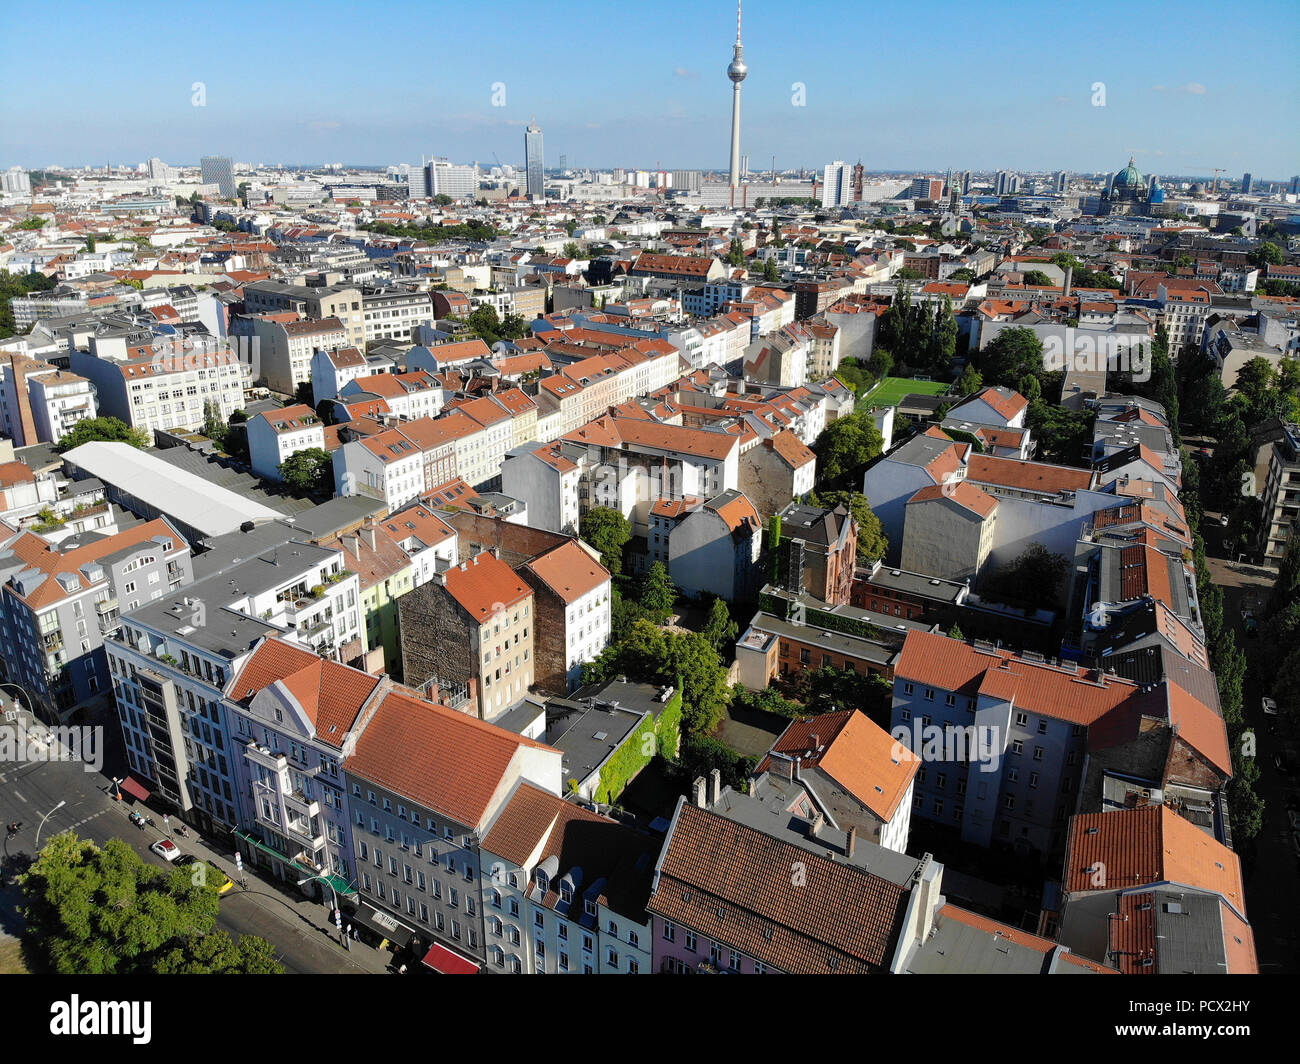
836,187
1059,182
1246,183
965,182
736,71
926,188
686,180
564,163
858,182
1006,183
16,181
442,178
1295,185
220,171
533,163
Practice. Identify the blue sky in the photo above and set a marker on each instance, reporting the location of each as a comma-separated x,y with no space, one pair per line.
899,86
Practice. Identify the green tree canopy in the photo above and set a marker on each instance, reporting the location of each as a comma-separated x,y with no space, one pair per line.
658,593
309,470
1012,354
93,911
970,380
720,630
845,445
608,532
107,429
1032,580
872,542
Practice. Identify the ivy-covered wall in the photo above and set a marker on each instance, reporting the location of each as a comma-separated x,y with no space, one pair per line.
655,735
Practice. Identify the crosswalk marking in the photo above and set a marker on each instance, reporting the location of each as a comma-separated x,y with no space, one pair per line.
19,797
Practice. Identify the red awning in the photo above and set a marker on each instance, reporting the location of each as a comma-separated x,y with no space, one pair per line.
441,959
135,790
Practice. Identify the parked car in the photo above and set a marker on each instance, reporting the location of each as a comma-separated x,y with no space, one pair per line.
184,859
166,849
219,879
1269,706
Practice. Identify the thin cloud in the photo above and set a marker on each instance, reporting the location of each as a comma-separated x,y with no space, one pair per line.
1192,88
682,72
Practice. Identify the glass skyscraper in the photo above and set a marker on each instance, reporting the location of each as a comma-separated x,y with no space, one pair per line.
533,160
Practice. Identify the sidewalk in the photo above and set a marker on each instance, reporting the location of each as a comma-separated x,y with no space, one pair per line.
270,894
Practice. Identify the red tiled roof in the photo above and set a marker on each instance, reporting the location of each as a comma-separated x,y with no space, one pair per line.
485,585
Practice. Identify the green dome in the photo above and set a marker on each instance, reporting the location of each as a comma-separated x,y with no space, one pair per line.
1129,178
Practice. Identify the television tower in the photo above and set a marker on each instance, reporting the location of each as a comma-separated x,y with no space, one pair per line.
736,71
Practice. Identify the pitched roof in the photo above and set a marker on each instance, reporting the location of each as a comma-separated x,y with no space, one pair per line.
332,695
569,571
732,883
485,585
447,761
1027,476
1151,844
854,751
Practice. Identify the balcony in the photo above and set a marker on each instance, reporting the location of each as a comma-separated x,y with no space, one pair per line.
299,803
265,756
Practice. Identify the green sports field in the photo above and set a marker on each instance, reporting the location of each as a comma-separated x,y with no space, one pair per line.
891,390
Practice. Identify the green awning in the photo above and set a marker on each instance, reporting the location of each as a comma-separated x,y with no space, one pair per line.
341,886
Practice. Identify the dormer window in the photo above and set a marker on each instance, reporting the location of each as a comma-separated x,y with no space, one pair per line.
589,907
542,880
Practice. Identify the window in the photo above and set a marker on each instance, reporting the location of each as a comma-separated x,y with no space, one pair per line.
929,694
908,688
1038,753
1018,746
1022,719
1042,727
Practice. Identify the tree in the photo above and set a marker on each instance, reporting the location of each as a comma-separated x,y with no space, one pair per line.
1032,580
1038,278
309,470
106,429
720,629
846,444
608,532
570,227
1267,254
1030,388
213,427
1013,353
658,593
93,911
90,245
1063,435
970,380
872,543
571,250
736,252
771,272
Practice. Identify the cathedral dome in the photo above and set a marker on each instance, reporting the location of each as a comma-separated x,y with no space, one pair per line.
1129,179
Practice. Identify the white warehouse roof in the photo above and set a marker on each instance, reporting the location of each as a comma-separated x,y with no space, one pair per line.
163,489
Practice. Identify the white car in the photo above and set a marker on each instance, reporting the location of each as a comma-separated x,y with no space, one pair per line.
166,849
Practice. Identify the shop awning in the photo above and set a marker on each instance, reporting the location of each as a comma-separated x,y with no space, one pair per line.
134,789
443,960
383,924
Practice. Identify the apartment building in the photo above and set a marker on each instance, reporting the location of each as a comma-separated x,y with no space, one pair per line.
40,404
724,899
166,386
852,770
470,631
409,396
572,599
331,370
275,436
294,718
815,550
172,659
393,313
1005,737
60,603
419,816
564,889
286,346
329,301
1280,493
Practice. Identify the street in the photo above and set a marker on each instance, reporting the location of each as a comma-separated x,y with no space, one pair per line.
298,928
1269,862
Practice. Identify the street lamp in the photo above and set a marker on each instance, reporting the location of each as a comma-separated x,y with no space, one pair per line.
333,894
45,818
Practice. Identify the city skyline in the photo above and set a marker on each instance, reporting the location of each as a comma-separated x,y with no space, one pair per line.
1169,109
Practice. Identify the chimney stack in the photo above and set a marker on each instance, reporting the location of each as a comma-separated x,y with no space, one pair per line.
1069,277
699,792
818,822
715,786
368,534
851,842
